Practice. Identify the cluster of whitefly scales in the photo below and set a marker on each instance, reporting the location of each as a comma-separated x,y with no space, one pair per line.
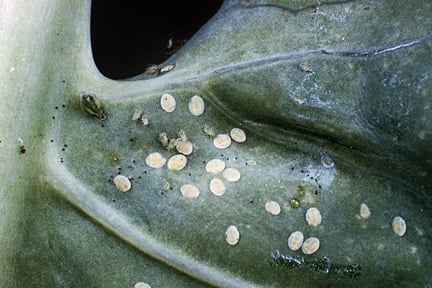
217,167
184,147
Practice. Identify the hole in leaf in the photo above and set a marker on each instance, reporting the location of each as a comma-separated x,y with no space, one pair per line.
128,35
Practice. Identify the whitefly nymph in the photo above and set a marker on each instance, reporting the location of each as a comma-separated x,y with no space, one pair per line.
310,245
238,135
217,187
295,240
215,166
196,105
177,162
327,162
313,216
232,235
189,191
142,285
93,106
231,174
364,211
222,141
185,148
272,207
168,103
155,160
122,183
399,226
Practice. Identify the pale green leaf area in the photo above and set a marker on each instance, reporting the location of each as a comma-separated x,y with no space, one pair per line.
364,104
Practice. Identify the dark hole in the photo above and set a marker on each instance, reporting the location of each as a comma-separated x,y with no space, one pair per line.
128,35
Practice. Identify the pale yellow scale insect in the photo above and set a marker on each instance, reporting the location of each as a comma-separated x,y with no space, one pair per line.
168,102
155,160
399,226
222,141
189,191
295,240
185,148
177,162
196,105
232,235
231,175
364,211
310,245
142,285
238,135
122,183
217,187
215,166
272,207
313,216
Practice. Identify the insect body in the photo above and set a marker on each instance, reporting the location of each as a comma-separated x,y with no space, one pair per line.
151,69
306,68
209,131
166,69
93,106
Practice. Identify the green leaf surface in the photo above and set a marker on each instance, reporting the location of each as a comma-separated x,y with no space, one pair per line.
352,126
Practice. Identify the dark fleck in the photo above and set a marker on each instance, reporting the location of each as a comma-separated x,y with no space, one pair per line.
22,149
